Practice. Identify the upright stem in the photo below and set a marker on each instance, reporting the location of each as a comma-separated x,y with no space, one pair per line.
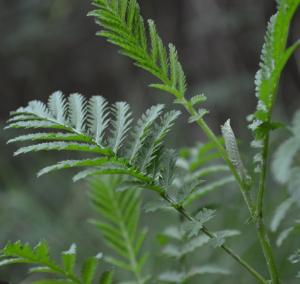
225,248
260,226
244,187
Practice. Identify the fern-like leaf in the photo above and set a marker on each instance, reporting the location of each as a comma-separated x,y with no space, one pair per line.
119,213
179,246
274,57
280,214
283,159
199,172
77,112
120,125
142,130
83,126
125,28
42,263
57,105
155,141
98,119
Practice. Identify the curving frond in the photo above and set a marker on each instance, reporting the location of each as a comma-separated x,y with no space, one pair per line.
183,277
123,25
120,212
180,244
155,141
286,172
274,57
89,126
199,172
283,159
280,213
286,154
143,130
43,264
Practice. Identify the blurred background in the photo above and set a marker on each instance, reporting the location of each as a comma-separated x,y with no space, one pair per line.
49,45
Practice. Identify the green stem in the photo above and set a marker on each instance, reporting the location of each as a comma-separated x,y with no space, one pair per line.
153,65
260,226
244,187
229,251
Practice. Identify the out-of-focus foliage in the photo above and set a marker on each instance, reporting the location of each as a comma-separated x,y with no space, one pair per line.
119,225
42,263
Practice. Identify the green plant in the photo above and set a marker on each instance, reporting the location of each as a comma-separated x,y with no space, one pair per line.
16,253
119,224
143,161
286,173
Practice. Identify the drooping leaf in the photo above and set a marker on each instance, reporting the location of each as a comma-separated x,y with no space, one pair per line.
280,213
283,159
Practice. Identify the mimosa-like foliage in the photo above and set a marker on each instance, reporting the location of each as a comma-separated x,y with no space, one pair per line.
38,257
74,124
124,26
119,214
134,157
274,57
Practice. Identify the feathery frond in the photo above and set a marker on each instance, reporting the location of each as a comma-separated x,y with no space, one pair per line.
286,154
155,141
286,172
77,112
274,57
98,119
283,159
179,244
57,105
142,130
199,172
123,26
281,213
192,166
82,126
42,263
120,125
181,277
119,212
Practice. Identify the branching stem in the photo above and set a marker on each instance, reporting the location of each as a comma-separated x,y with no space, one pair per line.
244,187
224,247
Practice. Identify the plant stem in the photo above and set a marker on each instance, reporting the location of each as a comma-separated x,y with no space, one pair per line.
225,248
212,137
260,226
